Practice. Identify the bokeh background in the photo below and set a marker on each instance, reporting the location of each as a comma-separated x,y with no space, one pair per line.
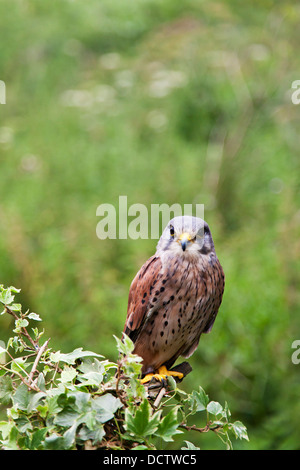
165,102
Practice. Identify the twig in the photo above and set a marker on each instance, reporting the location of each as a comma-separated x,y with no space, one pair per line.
118,377
159,397
24,332
38,351
207,428
31,386
56,367
38,356
20,367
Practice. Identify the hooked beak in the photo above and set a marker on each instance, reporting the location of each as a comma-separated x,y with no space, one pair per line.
184,239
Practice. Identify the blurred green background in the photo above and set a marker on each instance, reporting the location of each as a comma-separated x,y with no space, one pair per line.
165,102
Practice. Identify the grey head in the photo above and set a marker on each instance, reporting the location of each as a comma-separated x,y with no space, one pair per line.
186,235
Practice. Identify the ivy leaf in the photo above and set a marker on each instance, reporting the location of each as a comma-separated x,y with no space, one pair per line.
52,404
6,296
240,430
226,412
6,389
41,382
23,424
141,424
65,403
21,323
214,408
66,418
91,379
55,442
82,401
37,438
125,345
34,400
167,427
16,307
71,358
11,444
34,316
68,375
190,446
21,397
92,373
89,365
96,435
105,407
5,428
69,435
198,401
43,410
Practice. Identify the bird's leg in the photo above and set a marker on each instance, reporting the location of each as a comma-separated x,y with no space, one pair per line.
163,372
147,378
161,375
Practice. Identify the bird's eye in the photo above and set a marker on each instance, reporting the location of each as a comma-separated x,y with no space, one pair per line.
206,230
172,231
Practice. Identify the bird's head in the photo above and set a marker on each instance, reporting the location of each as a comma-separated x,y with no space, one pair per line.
186,235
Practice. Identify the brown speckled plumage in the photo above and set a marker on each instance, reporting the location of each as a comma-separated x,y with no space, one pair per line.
175,296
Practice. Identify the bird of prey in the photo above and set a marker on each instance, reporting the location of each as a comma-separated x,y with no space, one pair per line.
175,297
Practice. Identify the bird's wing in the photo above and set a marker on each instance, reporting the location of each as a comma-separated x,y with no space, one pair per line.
140,293
219,292
218,287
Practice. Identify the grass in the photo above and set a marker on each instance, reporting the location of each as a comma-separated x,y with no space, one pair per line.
164,102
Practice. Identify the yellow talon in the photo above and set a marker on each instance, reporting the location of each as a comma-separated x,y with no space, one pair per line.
162,373
147,378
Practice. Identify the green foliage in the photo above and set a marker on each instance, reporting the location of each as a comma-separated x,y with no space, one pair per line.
93,112
80,400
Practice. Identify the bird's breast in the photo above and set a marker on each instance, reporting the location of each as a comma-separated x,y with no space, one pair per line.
180,307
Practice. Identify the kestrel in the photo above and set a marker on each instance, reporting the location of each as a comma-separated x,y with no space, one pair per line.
175,297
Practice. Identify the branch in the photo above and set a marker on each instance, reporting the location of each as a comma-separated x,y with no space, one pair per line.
159,397
39,354
14,372
24,332
205,429
118,377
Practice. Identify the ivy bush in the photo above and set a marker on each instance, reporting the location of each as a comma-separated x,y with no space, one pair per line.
81,400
